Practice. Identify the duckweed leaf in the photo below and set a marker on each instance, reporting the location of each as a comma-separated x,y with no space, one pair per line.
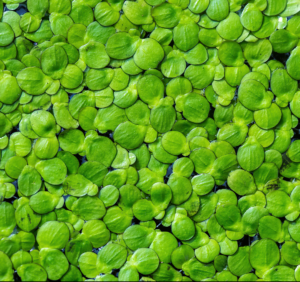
7,222
126,132
89,208
145,260
166,15
6,267
110,257
54,262
257,251
53,171
53,234
122,46
218,13
29,181
77,185
149,54
32,272
138,12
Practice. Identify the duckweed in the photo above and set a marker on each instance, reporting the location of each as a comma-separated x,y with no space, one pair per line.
149,140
